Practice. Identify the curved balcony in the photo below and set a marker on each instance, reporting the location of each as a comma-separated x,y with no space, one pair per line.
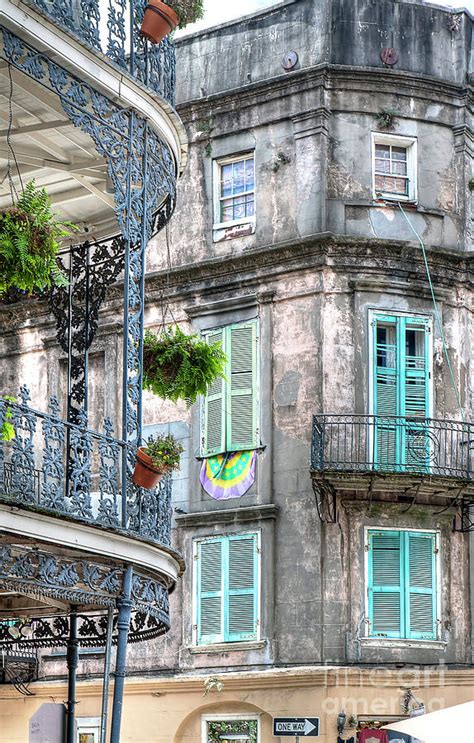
67,470
422,460
112,28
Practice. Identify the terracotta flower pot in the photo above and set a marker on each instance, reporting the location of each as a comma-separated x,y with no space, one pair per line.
145,474
159,20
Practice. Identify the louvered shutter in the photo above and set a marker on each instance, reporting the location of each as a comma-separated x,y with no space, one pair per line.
210,591
414,397
386,598
213,419
242,589
421,586
242,394
386,379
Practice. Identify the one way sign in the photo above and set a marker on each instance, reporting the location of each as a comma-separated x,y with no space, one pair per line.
296,726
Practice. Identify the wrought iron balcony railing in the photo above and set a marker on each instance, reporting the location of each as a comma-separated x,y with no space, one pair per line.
67,469
371,443
112,27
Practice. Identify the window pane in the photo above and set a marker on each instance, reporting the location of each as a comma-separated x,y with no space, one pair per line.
399,153
239,210
399,167
86,738
382,166
382,150
390,184
249,174
386,346
226,182
249,206
239,177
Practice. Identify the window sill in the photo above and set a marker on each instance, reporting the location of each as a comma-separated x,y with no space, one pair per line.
227,647
381,642
395,200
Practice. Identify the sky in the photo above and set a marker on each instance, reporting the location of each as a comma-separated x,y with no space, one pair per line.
217,11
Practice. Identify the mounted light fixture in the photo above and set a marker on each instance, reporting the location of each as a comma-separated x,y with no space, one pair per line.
341,722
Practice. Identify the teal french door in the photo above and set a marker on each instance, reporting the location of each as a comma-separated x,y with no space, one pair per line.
401,392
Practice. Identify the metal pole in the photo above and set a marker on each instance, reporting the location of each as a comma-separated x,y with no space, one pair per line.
123,624
72,661
106,678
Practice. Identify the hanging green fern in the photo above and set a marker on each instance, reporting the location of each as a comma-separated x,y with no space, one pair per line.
177,366
29,243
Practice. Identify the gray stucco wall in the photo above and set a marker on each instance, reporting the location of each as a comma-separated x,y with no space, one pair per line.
312,291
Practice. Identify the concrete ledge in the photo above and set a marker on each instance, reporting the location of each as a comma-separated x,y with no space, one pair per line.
228,516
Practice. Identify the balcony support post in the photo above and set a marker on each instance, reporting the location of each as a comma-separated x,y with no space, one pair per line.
125,605
106,678
72,661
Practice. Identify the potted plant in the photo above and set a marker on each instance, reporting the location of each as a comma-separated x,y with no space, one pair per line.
29,243
162,18
160,456
177,366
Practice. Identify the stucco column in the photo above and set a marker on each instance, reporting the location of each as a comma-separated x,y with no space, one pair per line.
311,139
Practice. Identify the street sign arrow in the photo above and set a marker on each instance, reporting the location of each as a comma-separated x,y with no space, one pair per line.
296,726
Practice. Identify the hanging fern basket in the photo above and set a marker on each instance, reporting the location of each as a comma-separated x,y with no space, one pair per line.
177,366
29,243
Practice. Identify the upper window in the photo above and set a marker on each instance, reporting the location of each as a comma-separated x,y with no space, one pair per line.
227,588
401,391
402,584
230,409
234,191
394,167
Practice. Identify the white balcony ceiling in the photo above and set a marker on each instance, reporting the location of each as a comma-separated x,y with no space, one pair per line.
59,156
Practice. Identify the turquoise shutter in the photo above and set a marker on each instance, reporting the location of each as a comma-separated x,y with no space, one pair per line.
421,600
241,606
210,593
213,415
386,598
415,391
386,391
401,388
242,392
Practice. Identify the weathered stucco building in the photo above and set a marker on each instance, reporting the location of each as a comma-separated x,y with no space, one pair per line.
326,212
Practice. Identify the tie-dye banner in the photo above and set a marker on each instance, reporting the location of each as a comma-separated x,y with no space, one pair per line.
227,476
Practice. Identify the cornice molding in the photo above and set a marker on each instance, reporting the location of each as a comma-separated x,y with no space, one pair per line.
228,516
384,80
274,678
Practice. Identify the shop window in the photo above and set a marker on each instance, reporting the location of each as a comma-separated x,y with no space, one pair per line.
402,595
227,570
229,729
394,167
88,730
230,410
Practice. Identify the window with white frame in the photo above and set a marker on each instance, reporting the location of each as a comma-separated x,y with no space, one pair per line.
402,574
227,588
228,728
234,190
394,167
88,730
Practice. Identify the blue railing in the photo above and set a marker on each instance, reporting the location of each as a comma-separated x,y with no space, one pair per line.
391,444
67,469
113,28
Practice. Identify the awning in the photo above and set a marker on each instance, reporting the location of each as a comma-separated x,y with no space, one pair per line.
450,724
